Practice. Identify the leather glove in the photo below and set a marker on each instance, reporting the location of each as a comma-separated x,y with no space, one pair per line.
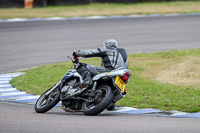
74,54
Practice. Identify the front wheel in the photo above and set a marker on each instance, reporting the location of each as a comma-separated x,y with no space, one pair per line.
47,100
105,97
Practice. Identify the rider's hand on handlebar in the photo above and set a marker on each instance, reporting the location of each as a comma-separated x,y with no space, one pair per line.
76,60
74,54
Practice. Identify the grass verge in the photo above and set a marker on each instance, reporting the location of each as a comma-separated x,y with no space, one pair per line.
103,9
152,85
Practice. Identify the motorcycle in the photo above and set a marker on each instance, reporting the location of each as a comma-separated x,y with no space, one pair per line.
107,89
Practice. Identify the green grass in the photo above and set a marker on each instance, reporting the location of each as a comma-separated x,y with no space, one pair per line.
103,9
145,88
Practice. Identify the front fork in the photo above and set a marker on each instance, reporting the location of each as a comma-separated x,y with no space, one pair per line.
55,86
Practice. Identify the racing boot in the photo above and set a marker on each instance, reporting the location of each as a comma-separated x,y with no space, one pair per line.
87,80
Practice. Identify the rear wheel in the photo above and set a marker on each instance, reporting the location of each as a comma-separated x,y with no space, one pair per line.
47,100
104,96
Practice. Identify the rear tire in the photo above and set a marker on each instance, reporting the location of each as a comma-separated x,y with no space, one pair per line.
104,100
45,103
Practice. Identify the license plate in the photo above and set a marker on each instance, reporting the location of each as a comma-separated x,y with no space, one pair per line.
120,83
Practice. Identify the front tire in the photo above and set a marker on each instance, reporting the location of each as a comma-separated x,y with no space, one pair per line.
103,101
46,102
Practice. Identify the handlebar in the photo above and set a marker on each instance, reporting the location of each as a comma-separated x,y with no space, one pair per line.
74,61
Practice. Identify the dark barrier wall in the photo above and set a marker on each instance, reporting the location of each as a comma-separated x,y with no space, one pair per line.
11,3
68,2
40,3
44,3
20,3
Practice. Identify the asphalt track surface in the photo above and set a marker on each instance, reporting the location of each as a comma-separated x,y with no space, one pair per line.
30,44
22,119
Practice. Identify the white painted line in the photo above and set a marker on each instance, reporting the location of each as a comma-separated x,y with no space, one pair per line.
5,76
173,14
174,113
6,85
15,96
136,16
56,18
179,114
154,15
13,93
96,17
24,98
4,82
10,75
121,109
5,79
8,89
16,19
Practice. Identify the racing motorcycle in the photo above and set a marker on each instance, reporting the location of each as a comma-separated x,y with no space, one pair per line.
107,89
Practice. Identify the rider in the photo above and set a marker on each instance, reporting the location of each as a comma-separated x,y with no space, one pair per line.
112,58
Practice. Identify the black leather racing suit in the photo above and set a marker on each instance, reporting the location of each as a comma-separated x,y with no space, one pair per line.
112,58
